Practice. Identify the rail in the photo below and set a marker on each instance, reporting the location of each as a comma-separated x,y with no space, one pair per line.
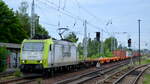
88,76
29,77
132,70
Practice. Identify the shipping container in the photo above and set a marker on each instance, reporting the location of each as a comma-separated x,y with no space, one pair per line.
119,53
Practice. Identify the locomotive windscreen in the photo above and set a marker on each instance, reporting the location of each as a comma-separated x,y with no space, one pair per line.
33,46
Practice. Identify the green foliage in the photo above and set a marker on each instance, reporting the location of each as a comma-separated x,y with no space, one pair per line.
10,28
71,37
17,73
110,43
146,78
15,27
3,56
41,31
95,56
108,53
80,49
25,20
94,48
23,7
145,61
81,57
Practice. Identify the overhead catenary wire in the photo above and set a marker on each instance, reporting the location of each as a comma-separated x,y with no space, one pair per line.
65,2
54,25
63,11
91,14
69,14
60,11
65,14
87,11
74,17
46,22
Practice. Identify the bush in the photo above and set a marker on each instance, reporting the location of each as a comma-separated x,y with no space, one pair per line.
17,73
108,53
3,57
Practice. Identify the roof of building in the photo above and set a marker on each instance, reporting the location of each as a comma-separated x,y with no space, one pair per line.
10,45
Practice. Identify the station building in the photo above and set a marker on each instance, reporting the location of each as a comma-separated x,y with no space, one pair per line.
13,57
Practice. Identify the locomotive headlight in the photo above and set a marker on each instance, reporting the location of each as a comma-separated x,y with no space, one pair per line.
41,61
23,61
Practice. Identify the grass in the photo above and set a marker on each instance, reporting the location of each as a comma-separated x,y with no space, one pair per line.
146,60
146,79
17,73
6,78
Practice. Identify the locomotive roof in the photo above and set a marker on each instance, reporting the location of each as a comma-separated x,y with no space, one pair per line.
63,42
53,41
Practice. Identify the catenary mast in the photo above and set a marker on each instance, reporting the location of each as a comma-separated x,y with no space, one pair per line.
32,32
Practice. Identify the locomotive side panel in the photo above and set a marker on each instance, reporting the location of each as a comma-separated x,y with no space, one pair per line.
64,53
74,54
57,55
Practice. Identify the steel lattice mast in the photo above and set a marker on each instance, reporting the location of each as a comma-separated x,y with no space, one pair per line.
32,32
85,40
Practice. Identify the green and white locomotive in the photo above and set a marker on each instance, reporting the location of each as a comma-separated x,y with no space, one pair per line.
45,54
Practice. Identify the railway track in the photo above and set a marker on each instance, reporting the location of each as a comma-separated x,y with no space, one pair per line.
8,73
91,75
22,80
112,77
131,77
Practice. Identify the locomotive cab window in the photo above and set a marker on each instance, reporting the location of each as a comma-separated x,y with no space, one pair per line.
33,46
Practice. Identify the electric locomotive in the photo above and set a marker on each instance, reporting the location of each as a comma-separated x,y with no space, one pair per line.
39,55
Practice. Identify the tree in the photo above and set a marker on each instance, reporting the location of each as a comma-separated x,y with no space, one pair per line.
10,27
108,53
3,56
71,37
93,48
23,17
25,20
110,43
80,50
23,8
39,29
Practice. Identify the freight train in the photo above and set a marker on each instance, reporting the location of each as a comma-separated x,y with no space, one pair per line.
47,55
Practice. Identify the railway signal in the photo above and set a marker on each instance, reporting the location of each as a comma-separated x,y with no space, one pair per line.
98,36
129,42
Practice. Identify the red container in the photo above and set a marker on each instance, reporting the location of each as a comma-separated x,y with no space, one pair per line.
119,53
136,54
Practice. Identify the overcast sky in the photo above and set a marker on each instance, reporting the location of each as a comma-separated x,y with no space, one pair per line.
122,13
